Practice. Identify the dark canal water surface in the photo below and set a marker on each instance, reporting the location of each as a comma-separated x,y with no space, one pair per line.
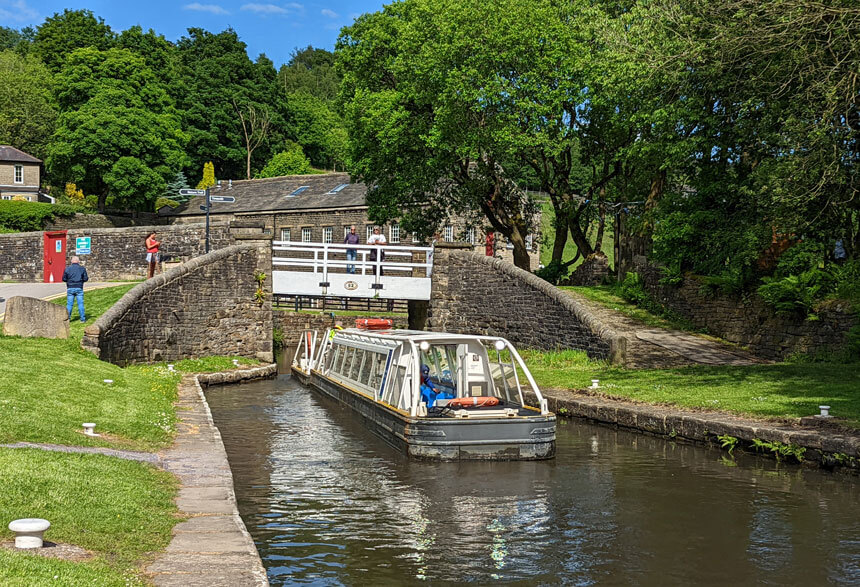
329,503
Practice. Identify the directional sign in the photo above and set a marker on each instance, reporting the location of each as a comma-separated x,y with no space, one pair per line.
227,199
83,245
188,192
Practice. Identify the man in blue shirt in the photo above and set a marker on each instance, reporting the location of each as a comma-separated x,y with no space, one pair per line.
75,276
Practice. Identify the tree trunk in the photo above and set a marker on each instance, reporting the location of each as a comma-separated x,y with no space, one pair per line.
521,252
579,239
560,239
248,166
598,244
102,201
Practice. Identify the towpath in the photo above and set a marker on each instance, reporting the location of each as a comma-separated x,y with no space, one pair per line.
655,348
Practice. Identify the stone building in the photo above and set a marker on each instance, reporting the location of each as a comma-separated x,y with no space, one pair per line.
315,208
20,176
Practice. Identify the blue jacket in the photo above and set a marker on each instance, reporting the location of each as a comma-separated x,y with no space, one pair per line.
75,276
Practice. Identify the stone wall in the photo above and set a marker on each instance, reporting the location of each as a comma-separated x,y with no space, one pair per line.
593,271
21,256
103,221
292,323
117,253
748,321
476,294
203,307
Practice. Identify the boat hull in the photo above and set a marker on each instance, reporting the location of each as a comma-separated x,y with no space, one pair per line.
446,439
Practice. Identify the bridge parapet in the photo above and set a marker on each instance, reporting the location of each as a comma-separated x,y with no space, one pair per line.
478,294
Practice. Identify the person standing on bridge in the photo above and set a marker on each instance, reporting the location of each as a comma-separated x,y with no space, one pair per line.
350,239
152,246
75,276
378,239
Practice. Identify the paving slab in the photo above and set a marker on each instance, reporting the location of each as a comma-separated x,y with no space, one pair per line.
213,546
693,348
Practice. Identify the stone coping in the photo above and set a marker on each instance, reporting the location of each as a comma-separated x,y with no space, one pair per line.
213,546
617,343
115,312
827,445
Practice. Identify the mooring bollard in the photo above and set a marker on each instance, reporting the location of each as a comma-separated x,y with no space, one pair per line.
595,383
107,381
235,362
89,429
29,532
170,368
825,412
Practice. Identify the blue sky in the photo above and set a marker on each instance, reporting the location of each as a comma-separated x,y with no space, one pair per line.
273,27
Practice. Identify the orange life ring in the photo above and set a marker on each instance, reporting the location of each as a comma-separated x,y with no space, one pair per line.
471,402
374,323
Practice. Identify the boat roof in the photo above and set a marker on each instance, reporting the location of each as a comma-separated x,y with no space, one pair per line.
399,336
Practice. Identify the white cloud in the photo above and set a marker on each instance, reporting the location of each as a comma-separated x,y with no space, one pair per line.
264,8
328,13
295,6
213,8
17,10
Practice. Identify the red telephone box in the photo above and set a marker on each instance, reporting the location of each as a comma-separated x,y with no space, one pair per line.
54,261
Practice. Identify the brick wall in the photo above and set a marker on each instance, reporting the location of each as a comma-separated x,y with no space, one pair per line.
204,307
749,321
476,294
21,256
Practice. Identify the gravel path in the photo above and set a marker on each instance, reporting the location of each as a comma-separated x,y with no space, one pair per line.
654,348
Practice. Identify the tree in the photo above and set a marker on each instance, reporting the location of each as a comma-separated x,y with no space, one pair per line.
115,109
157,52
208,176
289,162
17,40
255,121
179,182
320,131
61,34
310,71
28,111
133,184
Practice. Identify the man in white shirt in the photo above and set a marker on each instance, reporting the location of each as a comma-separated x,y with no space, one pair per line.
378,239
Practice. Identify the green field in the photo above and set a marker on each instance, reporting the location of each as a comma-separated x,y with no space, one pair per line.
775,391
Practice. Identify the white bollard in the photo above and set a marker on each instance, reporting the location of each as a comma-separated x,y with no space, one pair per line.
170,368
235,362
29,532
107,381
595,383
825,412
89,429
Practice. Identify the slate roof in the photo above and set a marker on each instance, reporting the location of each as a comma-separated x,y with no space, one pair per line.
272,194
8,153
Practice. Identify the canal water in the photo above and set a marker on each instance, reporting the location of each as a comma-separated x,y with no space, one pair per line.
329,503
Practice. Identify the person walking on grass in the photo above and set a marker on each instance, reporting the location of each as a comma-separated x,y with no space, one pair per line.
75,276
152,252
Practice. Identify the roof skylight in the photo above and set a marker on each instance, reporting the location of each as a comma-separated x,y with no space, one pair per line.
298,190
338,188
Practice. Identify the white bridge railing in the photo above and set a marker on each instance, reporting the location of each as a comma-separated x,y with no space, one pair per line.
356,271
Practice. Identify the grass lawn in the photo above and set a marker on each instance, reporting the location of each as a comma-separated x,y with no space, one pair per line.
606,295
121,511
782,390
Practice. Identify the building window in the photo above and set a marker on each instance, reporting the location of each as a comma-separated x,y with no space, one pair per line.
19,174
7,197
327,234
470,236
338,188
529,242
307,233
448,234
297,191
369,232
415,238
285,234
394,233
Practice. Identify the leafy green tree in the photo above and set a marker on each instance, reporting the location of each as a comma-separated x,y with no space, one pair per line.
314,124
213,70
289,162
15,39
115,109
133,183
28,110
158,53
311,71
61,34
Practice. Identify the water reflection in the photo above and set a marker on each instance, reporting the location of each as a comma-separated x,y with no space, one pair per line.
329,503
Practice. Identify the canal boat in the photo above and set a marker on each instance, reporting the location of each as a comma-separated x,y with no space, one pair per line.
433,395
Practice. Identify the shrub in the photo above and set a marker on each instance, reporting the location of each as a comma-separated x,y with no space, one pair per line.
846,283
30,216
796,294
801,257
633,290
162,201
553,273
289,162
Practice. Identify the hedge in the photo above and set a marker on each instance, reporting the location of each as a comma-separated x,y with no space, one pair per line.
29,216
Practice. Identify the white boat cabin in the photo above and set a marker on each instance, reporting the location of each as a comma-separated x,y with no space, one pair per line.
391,366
